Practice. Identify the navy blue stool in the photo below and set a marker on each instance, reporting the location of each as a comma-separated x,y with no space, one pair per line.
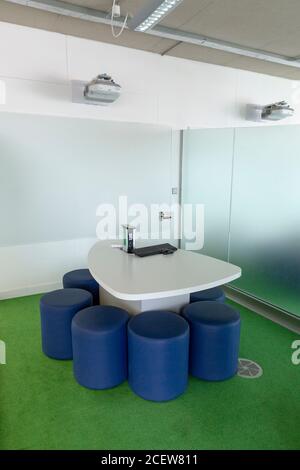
57,310
99,336
158,345
82,279
214,340
215,294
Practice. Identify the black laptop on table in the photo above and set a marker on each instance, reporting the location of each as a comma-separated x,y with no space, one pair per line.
163,249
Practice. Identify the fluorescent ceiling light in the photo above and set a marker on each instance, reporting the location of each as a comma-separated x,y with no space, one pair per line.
152,13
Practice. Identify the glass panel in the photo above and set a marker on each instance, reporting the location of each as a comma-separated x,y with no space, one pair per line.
206,179
265,218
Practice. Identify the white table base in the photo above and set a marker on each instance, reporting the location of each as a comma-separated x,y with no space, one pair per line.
134,307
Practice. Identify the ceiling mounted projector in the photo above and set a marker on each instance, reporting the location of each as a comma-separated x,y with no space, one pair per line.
102,90
277,111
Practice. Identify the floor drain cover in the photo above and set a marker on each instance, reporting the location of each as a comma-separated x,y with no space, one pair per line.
249,369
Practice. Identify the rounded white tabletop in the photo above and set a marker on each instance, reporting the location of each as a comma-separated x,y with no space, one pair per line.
129,277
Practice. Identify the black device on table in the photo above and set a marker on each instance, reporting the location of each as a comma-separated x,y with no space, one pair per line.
163,249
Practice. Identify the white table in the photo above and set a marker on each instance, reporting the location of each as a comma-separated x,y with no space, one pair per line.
154,282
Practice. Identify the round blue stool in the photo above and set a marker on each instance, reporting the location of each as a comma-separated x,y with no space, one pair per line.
99,336
158,345
57,310
82,279
214,339
216,294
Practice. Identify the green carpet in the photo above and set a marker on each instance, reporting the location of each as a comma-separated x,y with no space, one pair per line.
42,407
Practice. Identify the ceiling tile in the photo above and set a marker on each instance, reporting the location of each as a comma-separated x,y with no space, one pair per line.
251,23
130,6
285,45
185,12
199,53
103,5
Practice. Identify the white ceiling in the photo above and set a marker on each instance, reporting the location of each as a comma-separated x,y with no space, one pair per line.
269,25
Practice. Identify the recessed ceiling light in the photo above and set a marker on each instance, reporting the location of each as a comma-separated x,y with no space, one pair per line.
152,13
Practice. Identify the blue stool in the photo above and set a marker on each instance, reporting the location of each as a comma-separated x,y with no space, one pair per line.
99,336
214,341
57,310
158,345
82,279
216,294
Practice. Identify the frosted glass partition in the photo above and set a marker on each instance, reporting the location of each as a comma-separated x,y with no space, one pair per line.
265,218
206,179
249,181
54,172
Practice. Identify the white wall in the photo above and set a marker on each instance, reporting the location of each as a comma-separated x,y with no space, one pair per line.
55,173
36,68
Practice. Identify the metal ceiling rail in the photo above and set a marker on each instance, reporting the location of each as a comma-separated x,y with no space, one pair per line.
211,43
90,14
68,9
